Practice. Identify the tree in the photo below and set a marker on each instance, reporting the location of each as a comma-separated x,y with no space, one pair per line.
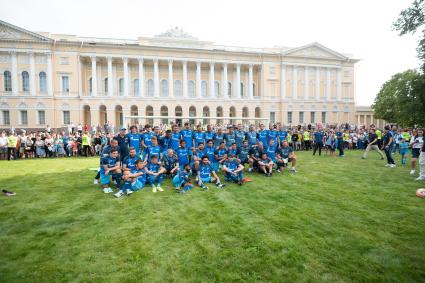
402,99
411,20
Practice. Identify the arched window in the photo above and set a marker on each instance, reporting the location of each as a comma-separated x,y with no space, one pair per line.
191,89
150,88
121,86
90,85
164,113
178,88
164,88
206,113
105,86
219,113
232,113
178,112
204,87
7,81
149,112
25,81
136,90
229,89
217,89
192,113
42,81
242,90
245,114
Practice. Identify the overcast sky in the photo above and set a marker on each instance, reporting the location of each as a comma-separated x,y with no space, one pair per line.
359,27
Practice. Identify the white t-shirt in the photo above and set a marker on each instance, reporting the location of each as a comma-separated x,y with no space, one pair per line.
3,141
417,142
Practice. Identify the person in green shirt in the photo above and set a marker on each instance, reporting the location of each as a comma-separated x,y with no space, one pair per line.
85,142
11,146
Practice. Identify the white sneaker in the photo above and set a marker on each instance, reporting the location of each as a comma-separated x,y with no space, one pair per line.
119,194
95,182
420,179
293,170
128,192
387,165
160,189
392,165
110,190
412,172
106,190
153,189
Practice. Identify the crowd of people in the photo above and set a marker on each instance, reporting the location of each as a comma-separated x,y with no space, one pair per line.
145,155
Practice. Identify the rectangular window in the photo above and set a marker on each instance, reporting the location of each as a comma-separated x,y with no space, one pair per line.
24,117
41,117
301,117
64,61
65,84
313,117
289,117
5,117
323,117
273,117
66,118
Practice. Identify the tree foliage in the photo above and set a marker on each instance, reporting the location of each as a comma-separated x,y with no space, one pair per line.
402,99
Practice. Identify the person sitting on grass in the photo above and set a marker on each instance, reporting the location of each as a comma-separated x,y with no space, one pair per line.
133,180
169,162
266,165
287,154
155,174
243,153
181,181
110,167
129,162
255,154
204,174
198,153
153,149
233,170
105,152
220,155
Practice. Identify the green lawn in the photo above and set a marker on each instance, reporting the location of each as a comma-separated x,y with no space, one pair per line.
336,220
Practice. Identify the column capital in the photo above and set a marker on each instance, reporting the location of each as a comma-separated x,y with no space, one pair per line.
141,60
93,57
109,58
184,62
212,64
13,52
198,63
125,59
238,65
170,61
224,65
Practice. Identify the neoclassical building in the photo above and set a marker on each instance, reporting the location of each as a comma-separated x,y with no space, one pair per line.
58,79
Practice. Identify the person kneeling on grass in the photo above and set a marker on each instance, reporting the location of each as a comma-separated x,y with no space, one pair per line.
287,154
110,167
266,165
181,181
134,180
155,174
204,174
233,170
169,162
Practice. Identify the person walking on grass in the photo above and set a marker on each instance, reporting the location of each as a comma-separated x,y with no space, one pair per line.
387,142
422,164
318,141
416,143
373,144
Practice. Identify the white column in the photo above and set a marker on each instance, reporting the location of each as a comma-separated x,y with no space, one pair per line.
328,84
317,83
93,76
283,81
156,77
212,87
110,78
198,78
338,84
14,74
79,73
306,83
358,120
32,74
141,78
184,78
250,82
295,83
170,78
224,82
125,70
238,81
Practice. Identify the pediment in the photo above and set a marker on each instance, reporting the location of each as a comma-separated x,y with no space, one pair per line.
314,50
11,32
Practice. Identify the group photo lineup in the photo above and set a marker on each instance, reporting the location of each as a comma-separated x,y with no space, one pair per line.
155,142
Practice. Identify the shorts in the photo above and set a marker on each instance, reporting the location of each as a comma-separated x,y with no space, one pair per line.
3,149
104,179
403,151
215,166
206,180
244,161
416,152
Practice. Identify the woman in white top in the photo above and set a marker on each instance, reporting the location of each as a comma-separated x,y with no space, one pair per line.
416,143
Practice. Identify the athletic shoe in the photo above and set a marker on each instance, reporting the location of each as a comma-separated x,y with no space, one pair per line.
220,186
240,183
392,165
110,190
119,194
95,182
160,189
412,172
8,193
205,188
382,158
106,190
420,179
128,192
278,170
363,157
293,170
153,189
250,170
387,165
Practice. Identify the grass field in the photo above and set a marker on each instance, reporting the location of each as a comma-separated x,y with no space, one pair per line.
336,220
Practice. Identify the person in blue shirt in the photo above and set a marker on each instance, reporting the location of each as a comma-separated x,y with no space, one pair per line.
182,154
403,147
129,162
181,181
271,150
318,141
251,136
110,166
198,136
207,174
266,165
232,149
134,139
133,180
262,135
197,157
219,137
154,174
209,134
165,141
233,170
239,136
340,142
387,142
170,163
187,136
243,153
272,134
210,151
285,155
154,149
105,152
175,138
282,134
220,155
122,139
230,137
146,140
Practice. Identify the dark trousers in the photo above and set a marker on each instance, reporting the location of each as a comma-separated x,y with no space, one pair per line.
307,145
341,148
318,146
11,152
86,150
390,160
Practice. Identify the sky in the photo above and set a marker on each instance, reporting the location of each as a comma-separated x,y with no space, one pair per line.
359,27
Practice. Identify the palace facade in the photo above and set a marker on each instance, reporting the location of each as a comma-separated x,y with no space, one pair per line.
58,79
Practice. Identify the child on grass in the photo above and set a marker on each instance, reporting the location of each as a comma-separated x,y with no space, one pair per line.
181,181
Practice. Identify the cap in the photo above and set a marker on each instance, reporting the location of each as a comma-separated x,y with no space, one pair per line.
123,129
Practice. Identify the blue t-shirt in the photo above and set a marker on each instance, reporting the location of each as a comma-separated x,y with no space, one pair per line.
271,152
271,135
154,167
183,156
199,153
175,140
243,153
199,137
233,151
154,151
164,143
232,165
209,136
134,141
282,136
386,138
252,138
205,170
130,162
218,139
210,153
141,178
239,137
318,137
169,162
187,136
109,161
220,152
285,151
147,138
230,139
262,136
